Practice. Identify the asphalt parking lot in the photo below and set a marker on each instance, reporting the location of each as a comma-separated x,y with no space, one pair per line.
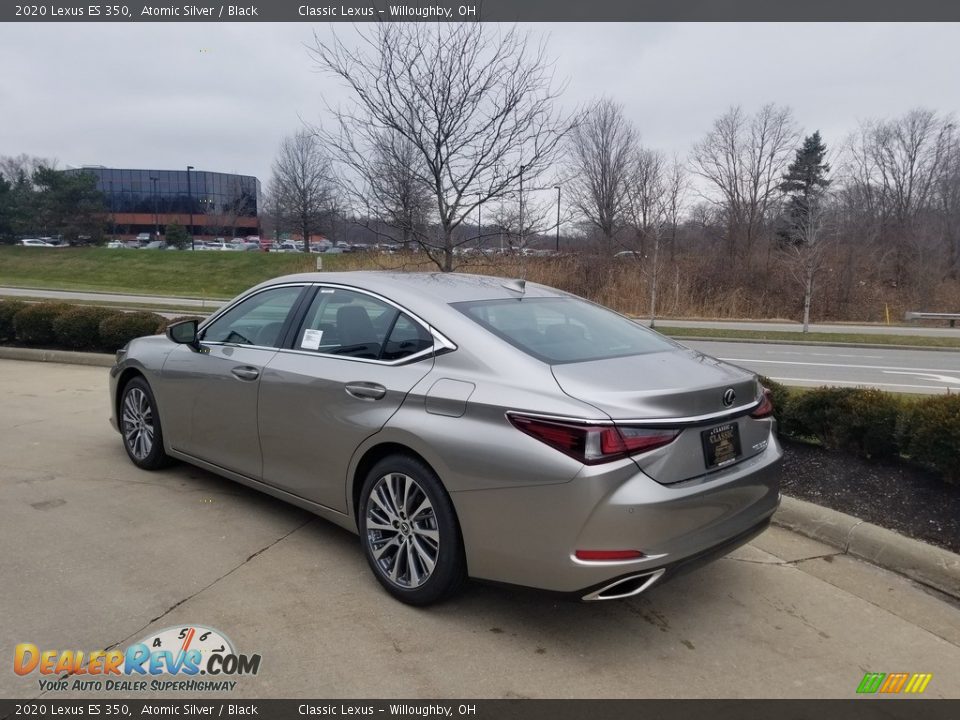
96,554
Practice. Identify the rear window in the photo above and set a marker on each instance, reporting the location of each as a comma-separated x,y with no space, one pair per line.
563,330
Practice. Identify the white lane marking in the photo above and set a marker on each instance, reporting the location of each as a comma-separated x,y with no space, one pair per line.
803,354
857,383
835,365
926,376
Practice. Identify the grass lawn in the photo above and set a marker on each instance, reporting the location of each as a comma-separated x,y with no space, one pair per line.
149,272
813,337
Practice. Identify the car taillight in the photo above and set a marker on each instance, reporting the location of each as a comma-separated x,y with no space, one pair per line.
593,444
765,408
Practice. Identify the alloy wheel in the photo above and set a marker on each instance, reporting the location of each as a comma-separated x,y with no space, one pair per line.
137,420
402,530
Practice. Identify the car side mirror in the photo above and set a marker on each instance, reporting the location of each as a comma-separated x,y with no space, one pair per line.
184,333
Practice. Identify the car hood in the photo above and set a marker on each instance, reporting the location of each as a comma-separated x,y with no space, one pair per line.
673,384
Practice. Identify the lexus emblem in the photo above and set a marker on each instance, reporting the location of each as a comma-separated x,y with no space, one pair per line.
729,395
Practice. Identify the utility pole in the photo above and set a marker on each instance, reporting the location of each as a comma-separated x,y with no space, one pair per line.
558,217
520,243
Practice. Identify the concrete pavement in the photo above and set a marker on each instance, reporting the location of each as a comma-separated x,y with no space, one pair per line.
98,553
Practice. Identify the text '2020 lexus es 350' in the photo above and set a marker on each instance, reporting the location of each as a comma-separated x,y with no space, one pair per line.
463,425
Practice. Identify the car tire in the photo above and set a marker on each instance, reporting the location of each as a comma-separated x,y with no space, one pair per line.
140,428
409,532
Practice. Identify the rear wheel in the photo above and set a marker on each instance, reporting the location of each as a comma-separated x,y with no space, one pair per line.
140,426
409,532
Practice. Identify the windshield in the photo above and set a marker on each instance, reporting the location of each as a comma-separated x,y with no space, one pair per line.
563,330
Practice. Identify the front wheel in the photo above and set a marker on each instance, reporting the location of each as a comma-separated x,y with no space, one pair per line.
409,532
140,426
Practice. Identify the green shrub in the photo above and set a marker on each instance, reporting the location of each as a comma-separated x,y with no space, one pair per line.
79,329
117,331
816,414
930,434
162,327
860,421
868,424
9,308
33,324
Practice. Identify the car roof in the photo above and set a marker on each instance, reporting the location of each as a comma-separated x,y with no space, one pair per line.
418,287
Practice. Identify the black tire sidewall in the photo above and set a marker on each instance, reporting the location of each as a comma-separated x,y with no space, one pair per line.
157,457
449,572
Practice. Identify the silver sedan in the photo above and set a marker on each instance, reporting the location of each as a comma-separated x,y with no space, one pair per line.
463,426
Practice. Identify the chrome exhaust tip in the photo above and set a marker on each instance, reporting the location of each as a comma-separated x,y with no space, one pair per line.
625,587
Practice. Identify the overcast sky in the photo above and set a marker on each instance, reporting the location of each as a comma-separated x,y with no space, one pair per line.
221,96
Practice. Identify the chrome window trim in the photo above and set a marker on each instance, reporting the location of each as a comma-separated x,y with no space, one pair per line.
440,341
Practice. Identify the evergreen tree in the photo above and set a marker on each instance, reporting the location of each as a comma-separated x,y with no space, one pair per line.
803,185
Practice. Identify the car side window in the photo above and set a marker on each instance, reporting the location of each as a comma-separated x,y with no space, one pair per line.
351,324
407,338
257,320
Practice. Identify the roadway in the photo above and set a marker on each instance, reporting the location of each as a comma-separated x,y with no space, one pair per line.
779,325
891,369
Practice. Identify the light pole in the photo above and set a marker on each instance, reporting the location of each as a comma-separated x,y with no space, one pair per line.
479,219
193,245
156,216
558,217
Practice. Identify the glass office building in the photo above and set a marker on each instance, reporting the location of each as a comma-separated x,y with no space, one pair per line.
139,201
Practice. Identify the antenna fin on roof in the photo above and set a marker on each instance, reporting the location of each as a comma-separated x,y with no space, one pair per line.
517,285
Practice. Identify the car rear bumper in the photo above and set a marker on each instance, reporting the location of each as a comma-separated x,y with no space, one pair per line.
529,535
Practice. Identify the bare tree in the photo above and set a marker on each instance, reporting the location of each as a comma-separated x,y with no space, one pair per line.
742,157
895,168
645,196
398,194
475,102
805,257
602,156
303,183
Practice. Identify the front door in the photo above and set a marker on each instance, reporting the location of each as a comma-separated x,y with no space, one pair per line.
213,393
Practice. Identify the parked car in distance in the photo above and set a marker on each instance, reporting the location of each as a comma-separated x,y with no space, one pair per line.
143,238
155,245
464,425
35,242
115,245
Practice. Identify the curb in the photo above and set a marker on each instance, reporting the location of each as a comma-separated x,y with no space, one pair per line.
68,357
927,564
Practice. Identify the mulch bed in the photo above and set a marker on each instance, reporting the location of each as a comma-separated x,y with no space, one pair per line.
898,496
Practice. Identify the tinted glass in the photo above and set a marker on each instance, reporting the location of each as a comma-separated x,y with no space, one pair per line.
351,324
256,321
563,330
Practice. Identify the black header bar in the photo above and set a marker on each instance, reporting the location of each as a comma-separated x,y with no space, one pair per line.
855,709
488,10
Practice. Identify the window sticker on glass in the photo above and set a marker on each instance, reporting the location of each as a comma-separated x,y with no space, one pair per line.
327,290
311,339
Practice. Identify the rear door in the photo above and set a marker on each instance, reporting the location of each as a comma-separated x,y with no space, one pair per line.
350,365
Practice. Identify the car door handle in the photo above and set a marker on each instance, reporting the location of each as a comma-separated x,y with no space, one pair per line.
245,372
366,391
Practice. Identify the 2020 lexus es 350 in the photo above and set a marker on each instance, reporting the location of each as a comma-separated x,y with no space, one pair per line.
463,425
